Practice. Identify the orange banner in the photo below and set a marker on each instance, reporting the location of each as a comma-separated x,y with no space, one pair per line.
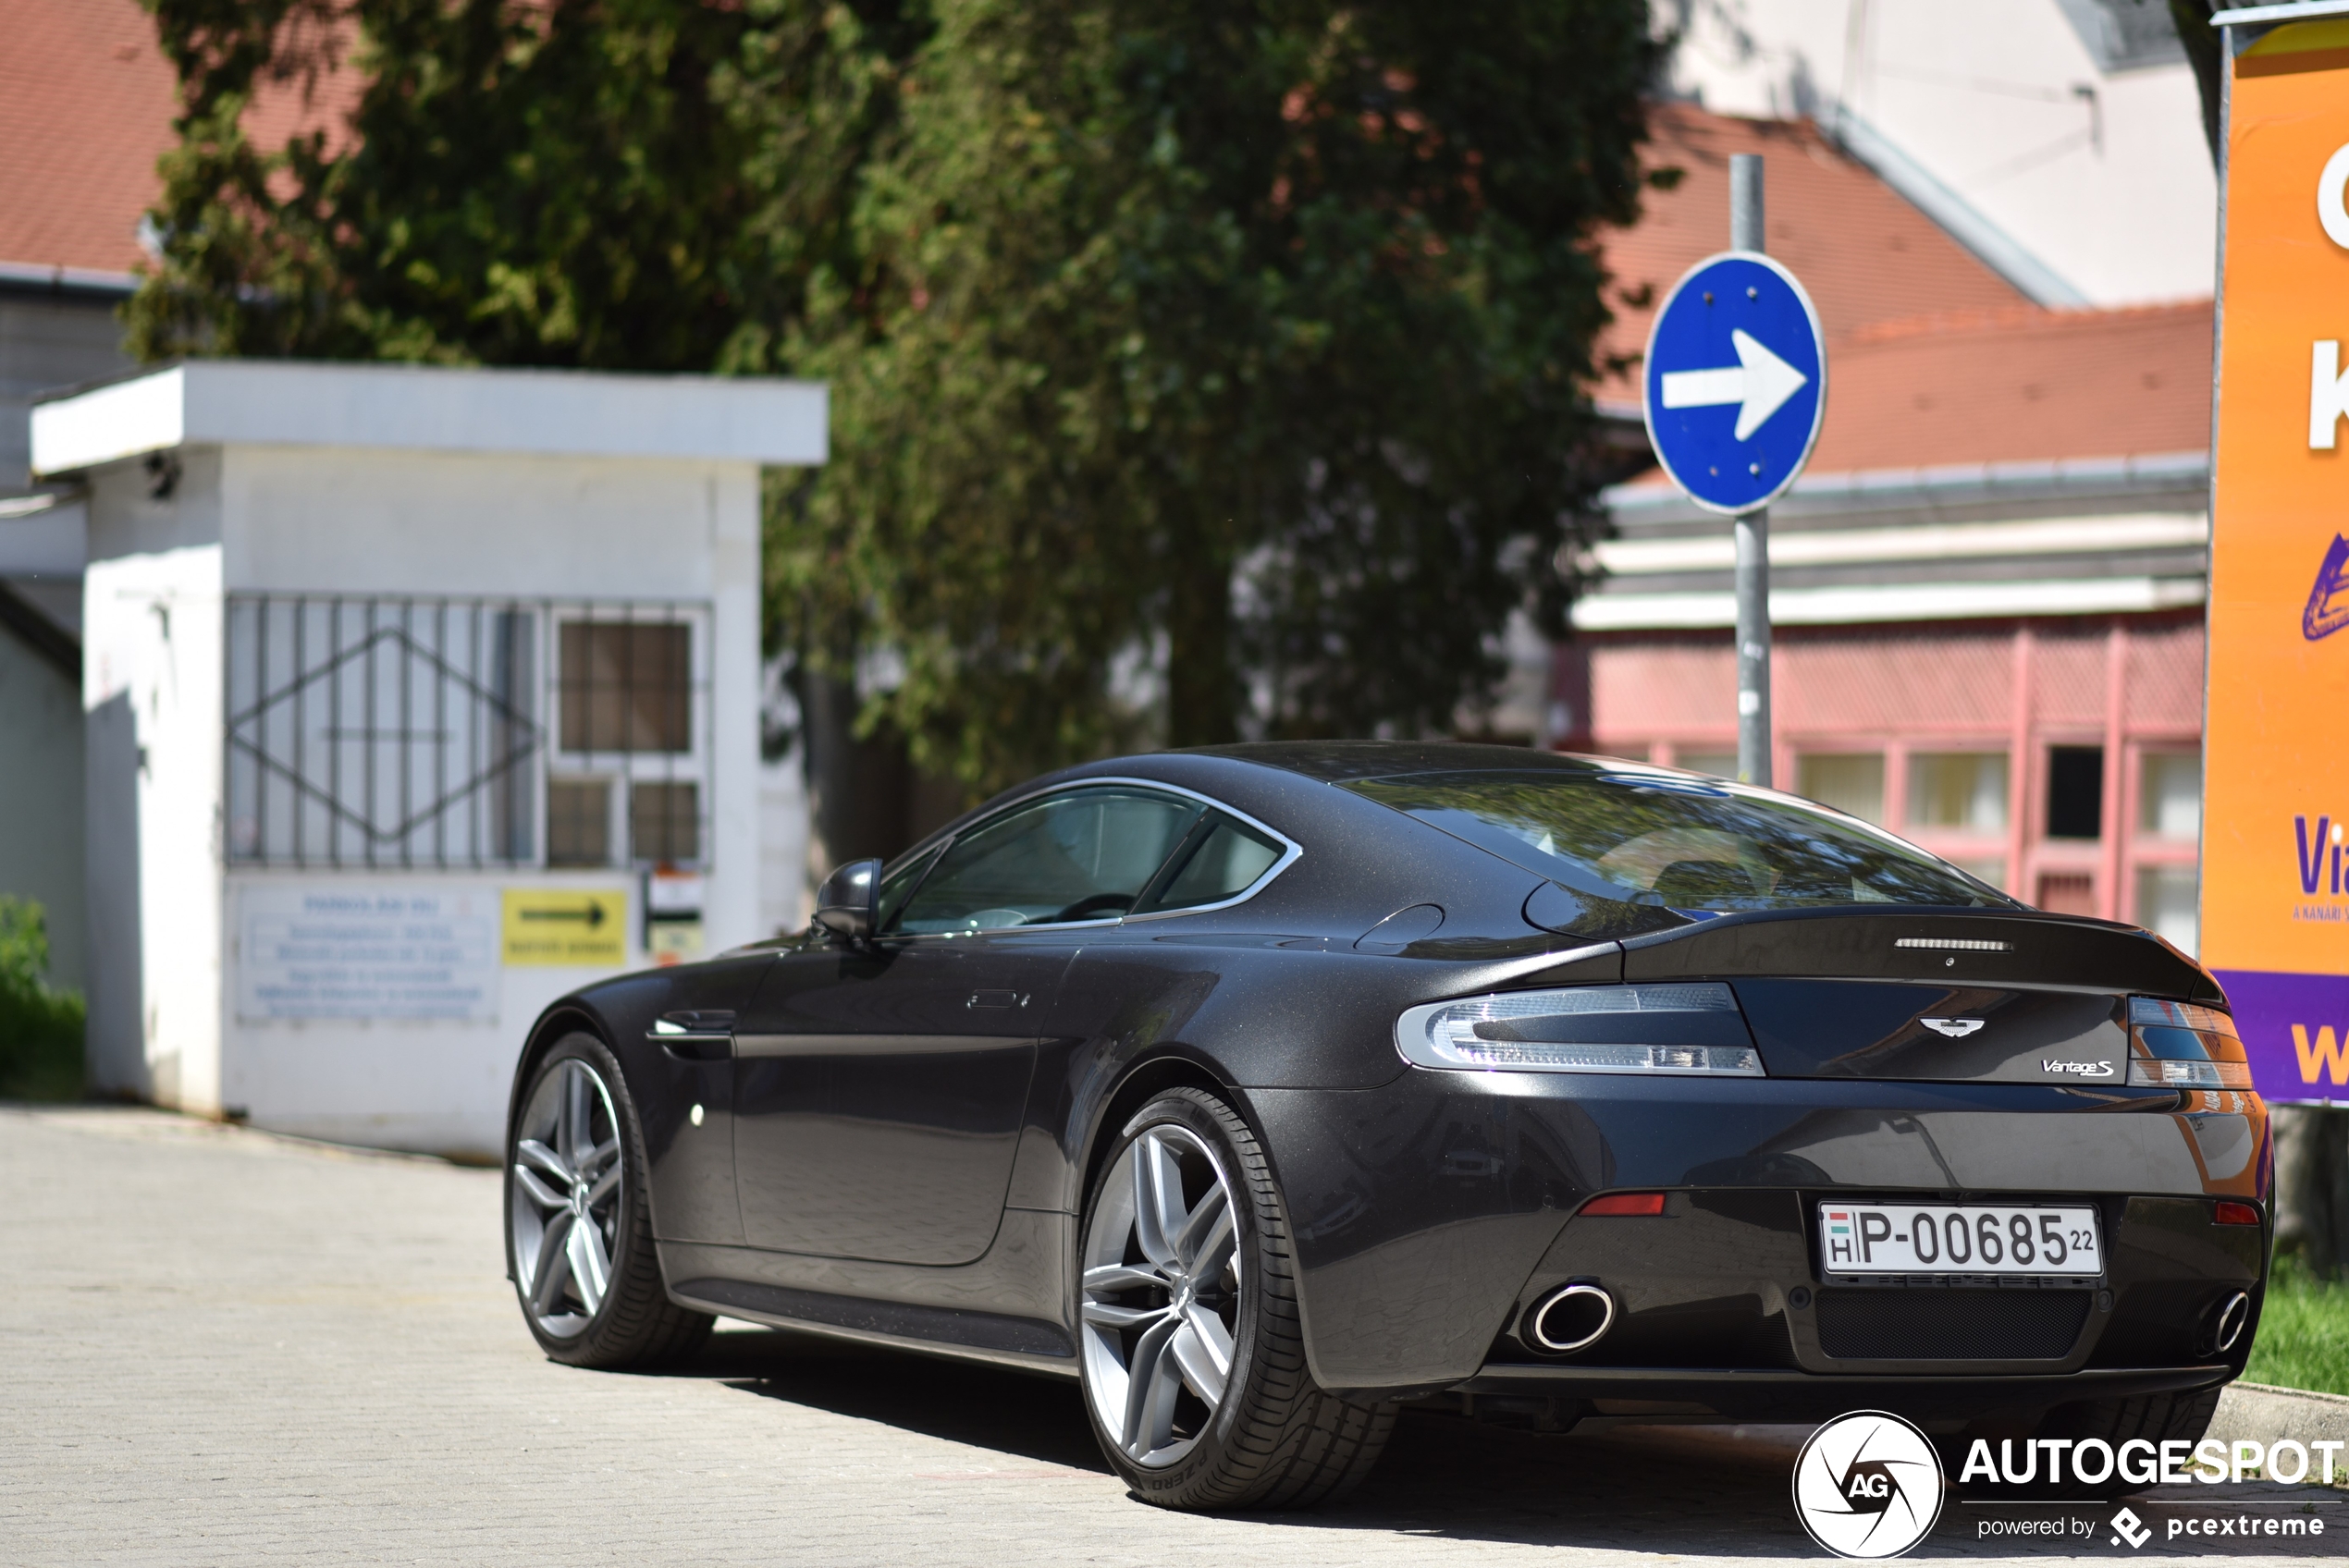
2275,912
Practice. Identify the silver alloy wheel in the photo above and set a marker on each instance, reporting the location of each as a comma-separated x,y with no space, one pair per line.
566,1199
1161,1295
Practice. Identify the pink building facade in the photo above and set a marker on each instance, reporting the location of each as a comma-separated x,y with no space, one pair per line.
2058,757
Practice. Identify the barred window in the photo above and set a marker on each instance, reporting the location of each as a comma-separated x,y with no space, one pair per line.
448,732
381,732
626,686
579,822
664,822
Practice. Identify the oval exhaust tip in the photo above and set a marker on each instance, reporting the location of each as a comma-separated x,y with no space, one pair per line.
1573,1318
2232,1319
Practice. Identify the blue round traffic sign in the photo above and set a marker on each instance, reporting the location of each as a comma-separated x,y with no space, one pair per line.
1737,380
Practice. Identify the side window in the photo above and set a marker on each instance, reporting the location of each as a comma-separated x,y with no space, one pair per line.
897,886
1081,855
1229,858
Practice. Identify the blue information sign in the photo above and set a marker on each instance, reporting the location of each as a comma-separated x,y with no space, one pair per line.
1737,380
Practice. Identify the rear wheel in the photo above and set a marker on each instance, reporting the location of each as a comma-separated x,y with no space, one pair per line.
1192,1355
578,1228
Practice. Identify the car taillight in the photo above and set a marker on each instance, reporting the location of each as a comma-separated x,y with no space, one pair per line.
2231,1213
2182,1046
1678,1029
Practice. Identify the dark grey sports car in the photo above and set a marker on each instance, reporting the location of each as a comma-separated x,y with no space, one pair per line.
1267,1089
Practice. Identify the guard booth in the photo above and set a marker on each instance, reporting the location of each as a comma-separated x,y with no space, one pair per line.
413,698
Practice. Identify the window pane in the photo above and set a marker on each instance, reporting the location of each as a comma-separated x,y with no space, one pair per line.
2170,798
1081,854
1851,783
664,822
2167,903
1657,841
1721,765
896,886
2076,792
1227,862
578,822
1965,790
2068,893
1989,868
626,688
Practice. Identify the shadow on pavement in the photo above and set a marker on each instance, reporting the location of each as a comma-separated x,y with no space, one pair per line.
1676,1490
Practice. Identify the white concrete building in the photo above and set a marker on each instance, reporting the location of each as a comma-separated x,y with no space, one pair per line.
2061,140
413,698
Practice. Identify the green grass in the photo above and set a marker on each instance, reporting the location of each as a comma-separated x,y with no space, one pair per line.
2303,1333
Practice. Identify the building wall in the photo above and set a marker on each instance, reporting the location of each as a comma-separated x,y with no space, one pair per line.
1871,718
171,543
2112,187
152,696
41,781
48,340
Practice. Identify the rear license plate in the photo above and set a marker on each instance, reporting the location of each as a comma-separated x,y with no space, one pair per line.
1878,1238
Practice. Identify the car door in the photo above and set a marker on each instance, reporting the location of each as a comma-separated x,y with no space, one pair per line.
879,1086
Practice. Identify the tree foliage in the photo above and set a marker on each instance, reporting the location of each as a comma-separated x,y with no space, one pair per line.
1198,365
1246,338
609,184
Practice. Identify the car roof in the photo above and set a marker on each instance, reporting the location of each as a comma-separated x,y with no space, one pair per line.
1332,760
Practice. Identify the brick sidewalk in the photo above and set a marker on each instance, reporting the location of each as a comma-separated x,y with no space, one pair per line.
221,1347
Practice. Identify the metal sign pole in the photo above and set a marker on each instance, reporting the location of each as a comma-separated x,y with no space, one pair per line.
1753,529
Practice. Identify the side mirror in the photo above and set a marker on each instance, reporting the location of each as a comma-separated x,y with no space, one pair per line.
844,904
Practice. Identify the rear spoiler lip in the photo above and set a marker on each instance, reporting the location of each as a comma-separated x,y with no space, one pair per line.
2070,952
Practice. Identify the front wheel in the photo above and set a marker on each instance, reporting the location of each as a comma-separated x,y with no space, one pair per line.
578,1228
1192,1355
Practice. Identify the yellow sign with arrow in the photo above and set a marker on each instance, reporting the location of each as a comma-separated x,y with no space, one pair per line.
567,928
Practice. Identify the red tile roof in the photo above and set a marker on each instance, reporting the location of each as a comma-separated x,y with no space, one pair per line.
86,104
1865,255
2018,386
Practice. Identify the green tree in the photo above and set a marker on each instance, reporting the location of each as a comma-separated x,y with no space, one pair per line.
1238,342
1254,334
610,184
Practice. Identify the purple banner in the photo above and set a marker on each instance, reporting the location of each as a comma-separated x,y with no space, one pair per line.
2296,1029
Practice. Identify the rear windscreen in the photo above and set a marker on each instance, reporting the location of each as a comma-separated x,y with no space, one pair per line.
1665,839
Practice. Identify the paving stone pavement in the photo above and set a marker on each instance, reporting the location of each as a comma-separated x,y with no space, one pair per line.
221,1347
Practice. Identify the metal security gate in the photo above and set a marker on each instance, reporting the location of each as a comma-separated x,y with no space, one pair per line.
387,732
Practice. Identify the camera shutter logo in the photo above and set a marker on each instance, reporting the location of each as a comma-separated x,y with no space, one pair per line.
1868,1485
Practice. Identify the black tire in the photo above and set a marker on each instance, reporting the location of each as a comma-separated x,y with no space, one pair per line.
633,1323
1276,1440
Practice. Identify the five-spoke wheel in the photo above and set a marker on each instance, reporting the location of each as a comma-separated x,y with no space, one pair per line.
1187,1315
567,1174
1162,1295
578,1235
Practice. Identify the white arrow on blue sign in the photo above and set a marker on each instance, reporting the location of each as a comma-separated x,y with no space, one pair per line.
1737,380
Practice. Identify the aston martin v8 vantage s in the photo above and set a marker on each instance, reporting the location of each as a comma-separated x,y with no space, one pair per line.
1269,1089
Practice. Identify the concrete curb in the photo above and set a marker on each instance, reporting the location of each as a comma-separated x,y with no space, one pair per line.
2266,1415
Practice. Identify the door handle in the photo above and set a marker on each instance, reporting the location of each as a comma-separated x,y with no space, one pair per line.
996,999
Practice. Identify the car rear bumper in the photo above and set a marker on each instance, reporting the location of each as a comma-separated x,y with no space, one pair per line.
1429,1214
